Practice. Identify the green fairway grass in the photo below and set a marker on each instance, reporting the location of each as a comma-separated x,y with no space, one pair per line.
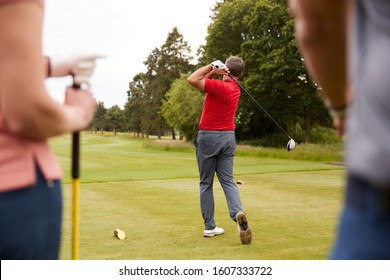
150,189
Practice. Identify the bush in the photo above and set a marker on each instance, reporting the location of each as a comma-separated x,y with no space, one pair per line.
319,135
324,135
276,140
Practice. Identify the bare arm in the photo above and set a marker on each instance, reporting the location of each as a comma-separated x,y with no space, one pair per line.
321,28
25,105
197,79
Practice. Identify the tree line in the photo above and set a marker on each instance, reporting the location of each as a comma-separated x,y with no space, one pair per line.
160,102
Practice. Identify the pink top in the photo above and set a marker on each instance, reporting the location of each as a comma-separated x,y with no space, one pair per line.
18,155
36,1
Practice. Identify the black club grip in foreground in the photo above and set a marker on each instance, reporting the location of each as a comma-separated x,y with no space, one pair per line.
76,150
76,155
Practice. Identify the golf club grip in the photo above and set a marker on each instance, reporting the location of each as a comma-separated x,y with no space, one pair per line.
76,155
76,149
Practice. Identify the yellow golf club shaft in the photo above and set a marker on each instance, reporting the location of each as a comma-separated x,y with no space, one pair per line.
75,230
76,190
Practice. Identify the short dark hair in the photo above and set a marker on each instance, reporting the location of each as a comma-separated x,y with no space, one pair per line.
235,65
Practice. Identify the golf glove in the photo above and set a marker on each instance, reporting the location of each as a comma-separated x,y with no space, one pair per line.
80,66
217,64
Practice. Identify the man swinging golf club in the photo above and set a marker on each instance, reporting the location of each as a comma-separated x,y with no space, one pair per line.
215,142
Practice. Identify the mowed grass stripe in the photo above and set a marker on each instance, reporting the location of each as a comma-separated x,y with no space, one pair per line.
292,212
125,159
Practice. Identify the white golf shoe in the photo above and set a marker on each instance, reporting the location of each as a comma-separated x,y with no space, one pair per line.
213,232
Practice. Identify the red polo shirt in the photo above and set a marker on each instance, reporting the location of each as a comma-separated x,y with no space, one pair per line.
220,104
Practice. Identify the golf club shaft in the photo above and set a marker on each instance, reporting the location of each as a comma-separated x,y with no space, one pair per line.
75,187
258,104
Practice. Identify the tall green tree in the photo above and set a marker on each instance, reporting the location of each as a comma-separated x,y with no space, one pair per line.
164,66
136,113
114,118
228,30
183,107
276,74
99,120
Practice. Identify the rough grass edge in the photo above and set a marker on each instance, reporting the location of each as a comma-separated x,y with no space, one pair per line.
310,152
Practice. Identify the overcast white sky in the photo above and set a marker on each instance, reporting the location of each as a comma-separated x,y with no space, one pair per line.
126,31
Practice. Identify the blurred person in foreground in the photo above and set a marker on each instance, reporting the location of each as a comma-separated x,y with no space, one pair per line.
345,46
30,189
216,144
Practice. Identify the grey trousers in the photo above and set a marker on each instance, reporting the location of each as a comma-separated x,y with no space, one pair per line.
215,153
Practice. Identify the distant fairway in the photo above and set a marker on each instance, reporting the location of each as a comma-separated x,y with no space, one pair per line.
152,194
